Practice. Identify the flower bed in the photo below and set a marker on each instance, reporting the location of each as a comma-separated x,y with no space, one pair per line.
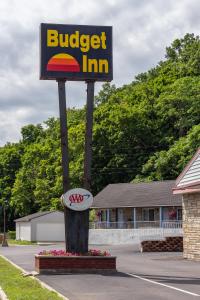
61,262
91,252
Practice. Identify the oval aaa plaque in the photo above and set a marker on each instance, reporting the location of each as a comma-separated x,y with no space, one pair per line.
77,199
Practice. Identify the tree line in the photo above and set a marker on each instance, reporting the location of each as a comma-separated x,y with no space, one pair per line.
146,130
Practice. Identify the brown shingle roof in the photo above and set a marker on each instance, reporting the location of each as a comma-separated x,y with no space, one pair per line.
156,193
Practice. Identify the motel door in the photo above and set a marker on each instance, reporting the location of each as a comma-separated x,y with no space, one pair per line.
165,213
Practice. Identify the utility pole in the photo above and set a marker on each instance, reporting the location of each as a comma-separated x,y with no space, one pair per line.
4,243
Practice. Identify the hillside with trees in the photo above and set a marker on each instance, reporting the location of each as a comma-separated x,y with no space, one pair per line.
145,130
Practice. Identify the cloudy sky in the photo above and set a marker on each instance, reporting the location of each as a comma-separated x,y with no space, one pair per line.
141,31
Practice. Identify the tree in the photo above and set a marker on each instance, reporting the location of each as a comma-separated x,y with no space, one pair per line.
31,133
168,164
10,162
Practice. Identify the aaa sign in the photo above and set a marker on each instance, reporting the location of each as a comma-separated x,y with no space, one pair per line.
77,199
76,52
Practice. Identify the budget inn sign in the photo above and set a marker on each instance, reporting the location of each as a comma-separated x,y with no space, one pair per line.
76,52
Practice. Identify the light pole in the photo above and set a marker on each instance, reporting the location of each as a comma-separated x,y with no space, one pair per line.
4,243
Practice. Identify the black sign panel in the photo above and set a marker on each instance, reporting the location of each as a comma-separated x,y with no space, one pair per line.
76,52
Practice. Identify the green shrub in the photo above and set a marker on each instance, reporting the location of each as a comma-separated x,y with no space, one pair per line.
12,235
92,216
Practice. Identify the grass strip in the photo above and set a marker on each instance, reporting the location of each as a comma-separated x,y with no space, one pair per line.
16,242
17,287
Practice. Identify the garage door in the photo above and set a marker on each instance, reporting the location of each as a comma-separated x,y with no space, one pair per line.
50,232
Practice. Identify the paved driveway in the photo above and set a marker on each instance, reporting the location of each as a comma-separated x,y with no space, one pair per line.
146,276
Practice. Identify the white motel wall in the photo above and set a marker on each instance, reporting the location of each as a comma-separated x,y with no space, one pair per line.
130,236
50,228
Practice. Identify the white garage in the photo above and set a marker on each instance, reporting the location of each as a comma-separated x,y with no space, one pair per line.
41,227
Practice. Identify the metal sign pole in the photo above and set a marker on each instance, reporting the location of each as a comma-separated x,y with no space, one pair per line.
88,155
64,147
76,222
88,135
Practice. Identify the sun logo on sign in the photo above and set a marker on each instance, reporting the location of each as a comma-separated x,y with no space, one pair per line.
63,63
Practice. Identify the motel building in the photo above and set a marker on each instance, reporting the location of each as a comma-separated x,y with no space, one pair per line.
125,213
188,186
138,205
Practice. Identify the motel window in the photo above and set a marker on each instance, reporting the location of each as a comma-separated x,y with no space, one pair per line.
148,214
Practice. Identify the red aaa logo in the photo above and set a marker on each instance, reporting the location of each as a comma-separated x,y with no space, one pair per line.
77,198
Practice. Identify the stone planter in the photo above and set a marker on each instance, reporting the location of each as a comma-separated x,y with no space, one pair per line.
45,264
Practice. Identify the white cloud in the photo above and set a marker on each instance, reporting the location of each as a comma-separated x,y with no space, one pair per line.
142,29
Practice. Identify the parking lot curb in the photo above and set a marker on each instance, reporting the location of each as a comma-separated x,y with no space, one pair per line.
43,284
3,295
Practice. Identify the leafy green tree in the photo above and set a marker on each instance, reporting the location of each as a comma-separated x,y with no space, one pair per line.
104,94
31,133
38,185
168,164
10,162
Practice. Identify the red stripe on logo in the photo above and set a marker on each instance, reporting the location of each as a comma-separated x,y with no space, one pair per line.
63,68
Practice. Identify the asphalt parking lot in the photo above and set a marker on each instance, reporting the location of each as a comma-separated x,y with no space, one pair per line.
141,276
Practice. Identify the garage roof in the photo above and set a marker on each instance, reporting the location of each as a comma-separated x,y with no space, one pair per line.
156,193
34,216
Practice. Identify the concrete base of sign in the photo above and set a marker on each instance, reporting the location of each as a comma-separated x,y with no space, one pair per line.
74,264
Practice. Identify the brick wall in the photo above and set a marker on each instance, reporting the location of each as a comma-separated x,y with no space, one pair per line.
191,226
45,264
170,244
